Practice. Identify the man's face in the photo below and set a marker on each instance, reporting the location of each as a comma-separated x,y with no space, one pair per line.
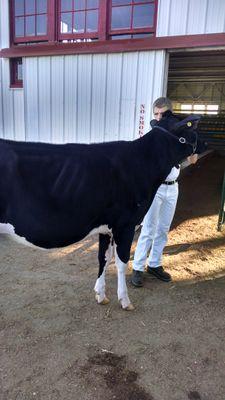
158,112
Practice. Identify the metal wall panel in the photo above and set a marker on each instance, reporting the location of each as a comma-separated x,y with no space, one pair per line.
11,100
188,17
44,98
4,24
90,98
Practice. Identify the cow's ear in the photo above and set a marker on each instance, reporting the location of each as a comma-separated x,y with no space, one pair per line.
189,122
167,114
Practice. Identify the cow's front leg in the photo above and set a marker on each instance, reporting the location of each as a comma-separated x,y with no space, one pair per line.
104,256
122,286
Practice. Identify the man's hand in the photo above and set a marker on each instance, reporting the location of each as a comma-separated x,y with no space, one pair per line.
193,159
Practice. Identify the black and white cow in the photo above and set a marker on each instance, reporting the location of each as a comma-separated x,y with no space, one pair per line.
55,195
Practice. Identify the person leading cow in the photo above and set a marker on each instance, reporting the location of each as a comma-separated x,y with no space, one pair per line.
158,219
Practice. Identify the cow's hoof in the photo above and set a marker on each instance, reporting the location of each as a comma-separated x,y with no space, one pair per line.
130,307
102,302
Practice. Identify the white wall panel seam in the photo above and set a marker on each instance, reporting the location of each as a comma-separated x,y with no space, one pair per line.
206,13
136,91
51,133
105,99
76,136
187,14
1,94
63,102
120,98
13,114
91,98
25,96
38,99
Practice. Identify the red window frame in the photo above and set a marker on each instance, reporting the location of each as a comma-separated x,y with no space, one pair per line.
132,31
15,80
79,35
30,38
104,31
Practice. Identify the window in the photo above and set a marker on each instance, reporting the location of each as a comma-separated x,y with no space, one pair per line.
132,16
29,20
81,20
16,73
78,18
205,109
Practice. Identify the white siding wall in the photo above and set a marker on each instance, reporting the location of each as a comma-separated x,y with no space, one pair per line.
11,100
189,17
82,98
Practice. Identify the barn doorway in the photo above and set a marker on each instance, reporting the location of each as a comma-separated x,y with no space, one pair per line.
196,84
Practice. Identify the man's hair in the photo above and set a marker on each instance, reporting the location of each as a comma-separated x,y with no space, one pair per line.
163,102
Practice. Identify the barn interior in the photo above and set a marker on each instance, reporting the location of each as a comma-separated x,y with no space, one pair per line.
196,84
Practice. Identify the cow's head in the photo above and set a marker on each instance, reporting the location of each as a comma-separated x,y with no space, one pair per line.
185,130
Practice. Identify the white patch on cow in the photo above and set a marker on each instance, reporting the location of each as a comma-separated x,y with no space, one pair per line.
122,286
104,229
8,229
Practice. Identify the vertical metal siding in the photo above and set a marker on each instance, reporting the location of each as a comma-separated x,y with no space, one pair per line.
30,82
113,96
4,23
70,99
82,98
11,100
187,17
98,99
44,98
57,99
8,104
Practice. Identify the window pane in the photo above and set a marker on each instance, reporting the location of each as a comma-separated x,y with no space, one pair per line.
66,5
41,24
66,23
79,22
92,21
79,4
19,7
121,17
30,6
92,4
118,2
19,27
117,37
19,70
143,15
30,26
41,6
141,1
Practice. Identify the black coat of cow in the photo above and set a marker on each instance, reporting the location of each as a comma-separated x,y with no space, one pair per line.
55,195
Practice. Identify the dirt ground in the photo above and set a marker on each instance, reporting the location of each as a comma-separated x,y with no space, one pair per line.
57,343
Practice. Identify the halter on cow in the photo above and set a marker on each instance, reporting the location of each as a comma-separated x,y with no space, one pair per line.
55,195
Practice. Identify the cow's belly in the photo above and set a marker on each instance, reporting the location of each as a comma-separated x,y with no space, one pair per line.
10,230
101,229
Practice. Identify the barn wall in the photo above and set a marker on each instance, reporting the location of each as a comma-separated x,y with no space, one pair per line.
189,17
82,98
11,100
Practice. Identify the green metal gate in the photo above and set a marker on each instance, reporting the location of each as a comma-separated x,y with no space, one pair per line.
221,219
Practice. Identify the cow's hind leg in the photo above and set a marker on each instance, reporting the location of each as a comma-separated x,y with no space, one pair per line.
122,254
105,254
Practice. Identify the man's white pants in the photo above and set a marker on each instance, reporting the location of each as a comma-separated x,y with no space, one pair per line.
156,225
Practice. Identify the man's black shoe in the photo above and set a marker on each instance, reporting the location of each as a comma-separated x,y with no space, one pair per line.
137,278
159,273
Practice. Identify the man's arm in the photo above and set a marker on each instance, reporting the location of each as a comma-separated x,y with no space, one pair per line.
192,159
